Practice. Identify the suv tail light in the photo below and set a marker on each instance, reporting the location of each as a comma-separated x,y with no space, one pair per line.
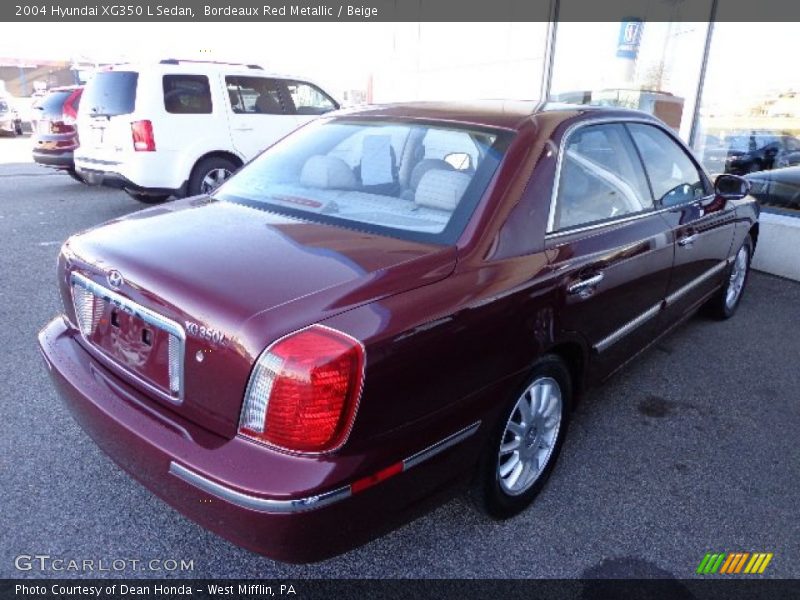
304,391
143,139
70,110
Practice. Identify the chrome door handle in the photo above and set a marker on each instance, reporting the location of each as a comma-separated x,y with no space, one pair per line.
584,286
688,240
243,129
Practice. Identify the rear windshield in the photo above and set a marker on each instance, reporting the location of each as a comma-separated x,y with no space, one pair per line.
405,179
111,93
53,103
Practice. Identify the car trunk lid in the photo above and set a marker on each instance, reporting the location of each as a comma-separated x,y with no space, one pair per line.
173,308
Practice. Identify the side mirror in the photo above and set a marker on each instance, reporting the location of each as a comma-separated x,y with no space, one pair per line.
731,187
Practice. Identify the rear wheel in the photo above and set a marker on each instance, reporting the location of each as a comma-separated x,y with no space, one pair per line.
147,198
724,304
209,174
527,439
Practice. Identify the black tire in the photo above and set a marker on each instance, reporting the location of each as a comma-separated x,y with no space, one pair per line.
147,198
488,492
74,174
719,306
205,167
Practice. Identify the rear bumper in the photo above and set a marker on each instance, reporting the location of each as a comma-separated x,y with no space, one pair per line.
117,181
237,488
58,159
142,172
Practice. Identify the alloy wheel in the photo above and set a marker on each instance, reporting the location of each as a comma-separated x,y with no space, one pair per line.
213,179
738,274
530,436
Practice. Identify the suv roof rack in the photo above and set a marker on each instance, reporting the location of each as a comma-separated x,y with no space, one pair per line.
177,61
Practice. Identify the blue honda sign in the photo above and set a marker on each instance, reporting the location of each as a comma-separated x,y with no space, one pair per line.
630,36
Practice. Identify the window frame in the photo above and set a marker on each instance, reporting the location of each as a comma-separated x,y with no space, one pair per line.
552,232
287,82
708,186
164,77
287,105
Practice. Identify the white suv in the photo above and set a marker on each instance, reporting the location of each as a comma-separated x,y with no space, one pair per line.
181,127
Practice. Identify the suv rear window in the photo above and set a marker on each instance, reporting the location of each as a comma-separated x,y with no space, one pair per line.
53,103
111,93
187,94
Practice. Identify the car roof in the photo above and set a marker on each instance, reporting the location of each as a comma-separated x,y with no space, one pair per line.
504,114
195,67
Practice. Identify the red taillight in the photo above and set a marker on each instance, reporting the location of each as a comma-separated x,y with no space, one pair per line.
70,107
143,139
304,391
61,127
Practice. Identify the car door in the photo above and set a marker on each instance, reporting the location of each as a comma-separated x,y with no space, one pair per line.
259,113
607,245
701,226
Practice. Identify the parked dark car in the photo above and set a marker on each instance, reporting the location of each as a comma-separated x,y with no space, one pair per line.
748,153
10,123
779,188
362,318
55,132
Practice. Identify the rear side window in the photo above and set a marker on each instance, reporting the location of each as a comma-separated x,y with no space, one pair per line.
111,93
673,176
256,95
187,94
601,178
3,106
309,99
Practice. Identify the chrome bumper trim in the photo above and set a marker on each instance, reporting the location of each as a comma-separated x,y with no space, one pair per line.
271,505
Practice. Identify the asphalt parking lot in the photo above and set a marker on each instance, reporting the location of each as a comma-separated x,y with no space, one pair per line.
691,449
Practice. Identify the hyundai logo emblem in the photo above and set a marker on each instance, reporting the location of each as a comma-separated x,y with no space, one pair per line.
115,279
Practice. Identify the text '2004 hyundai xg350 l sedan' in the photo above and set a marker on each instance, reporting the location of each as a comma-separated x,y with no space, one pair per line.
388,302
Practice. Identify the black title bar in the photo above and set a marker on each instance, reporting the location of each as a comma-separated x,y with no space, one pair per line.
397,10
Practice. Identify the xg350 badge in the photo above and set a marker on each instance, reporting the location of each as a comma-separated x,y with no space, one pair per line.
215,336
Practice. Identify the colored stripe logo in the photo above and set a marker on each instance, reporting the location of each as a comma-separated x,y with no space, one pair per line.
733,563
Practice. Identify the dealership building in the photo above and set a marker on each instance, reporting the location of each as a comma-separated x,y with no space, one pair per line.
727,88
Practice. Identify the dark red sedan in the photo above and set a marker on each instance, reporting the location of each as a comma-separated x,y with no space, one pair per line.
388,302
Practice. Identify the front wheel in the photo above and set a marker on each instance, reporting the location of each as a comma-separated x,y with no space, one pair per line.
525,445
724,304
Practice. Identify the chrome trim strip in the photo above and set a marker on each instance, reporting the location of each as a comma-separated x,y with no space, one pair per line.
681,291
146,315
440,446
651,312
271,505
615,336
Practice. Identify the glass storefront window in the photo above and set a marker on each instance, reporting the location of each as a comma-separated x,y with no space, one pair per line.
652,66
749,117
